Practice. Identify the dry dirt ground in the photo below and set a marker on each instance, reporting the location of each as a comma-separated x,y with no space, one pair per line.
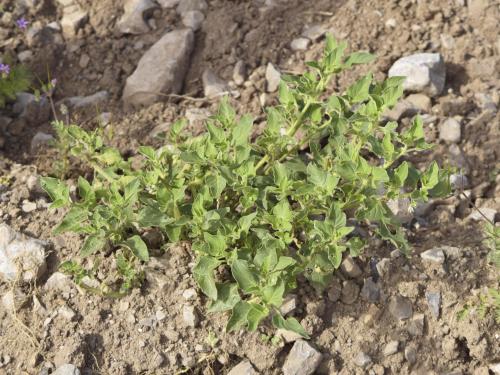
146,332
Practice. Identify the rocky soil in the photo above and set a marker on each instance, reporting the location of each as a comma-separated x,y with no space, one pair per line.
134,66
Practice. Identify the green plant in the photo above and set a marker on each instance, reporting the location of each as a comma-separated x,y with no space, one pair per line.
13,79
259,214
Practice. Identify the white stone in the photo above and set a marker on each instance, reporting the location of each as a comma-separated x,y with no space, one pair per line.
401,209
189,5
28,206
91,101
350,268
303,359
435,255
289,304
300,44
273,78
391,348
239,73
21,257
66,313
14,299
189,294
213,85
67,369
134,17
243,368
190,316
74,18
168,3
362,360
314,32
193,19
161,69
424,72
450,131
490,214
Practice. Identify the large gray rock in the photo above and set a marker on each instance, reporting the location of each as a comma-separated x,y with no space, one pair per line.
161,69
303,359
243,368
424,72
134,17
21,257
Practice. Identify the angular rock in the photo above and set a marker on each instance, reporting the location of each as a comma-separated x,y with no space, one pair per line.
67,369
420,102
190,316
303,359
314,32
434,302
400,308
273,77
14,299
350,292
434,255
136,12
411,354
34,110
161,69
450,131
391,348
66,313
59,282
190,5
81,102
370,291
362,360
239,73
168,3
74,18
417,325
401,209
289,304
459,181
424,72
40,139
288,336
213,85
350,268
243,368
490,214
300,44
193,19
21,257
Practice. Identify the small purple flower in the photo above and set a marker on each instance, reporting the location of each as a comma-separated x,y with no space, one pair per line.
22,23
4,69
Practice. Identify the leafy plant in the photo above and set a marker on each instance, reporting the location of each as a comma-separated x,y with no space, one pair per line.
259,214
13,79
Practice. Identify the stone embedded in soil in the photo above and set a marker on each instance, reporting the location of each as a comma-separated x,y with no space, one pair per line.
73,19
391,348
303,359
300,44
273,77
67,369
28,206
350,292
239,72
66,313
289,304
400,307
362,360
193,19
401,209
136,12
434,255
168,3
190,316
90,101
450,131
314,32
424,72
213,85
411,354
14,299
490,214
350,268
420,102
370,291
58,282
459,181
189,294
190,5
383,267
416,325
495,368
35,111
161,69
288,336
434,302
21,257
40,139
243,368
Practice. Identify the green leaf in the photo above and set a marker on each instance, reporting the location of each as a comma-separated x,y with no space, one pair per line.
285,95
238,316
241,132
216,185
358,92
359,58
216,243
72,221
273,294
138,247
283,263
227,297
400,174
290,324
246,278
245,222
57,191
150,216
85,190
93,244
203,274
255,315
